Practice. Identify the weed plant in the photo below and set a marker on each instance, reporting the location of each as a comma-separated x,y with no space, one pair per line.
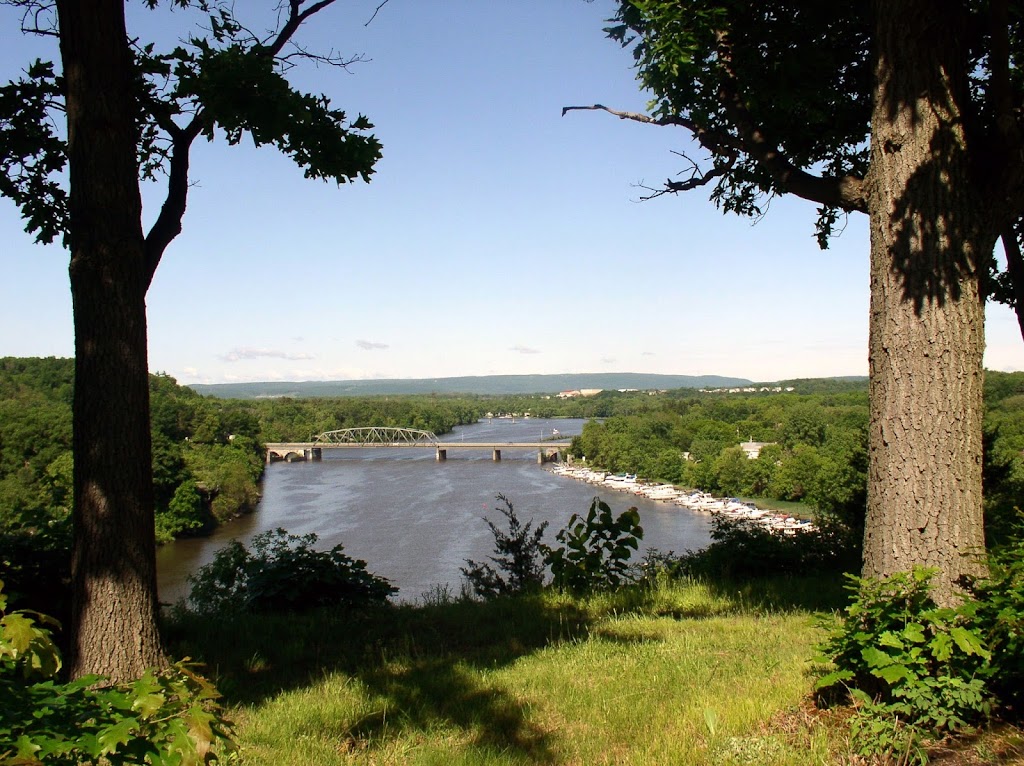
519,554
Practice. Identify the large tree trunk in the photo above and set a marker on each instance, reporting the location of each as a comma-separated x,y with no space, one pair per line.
929,236
114,629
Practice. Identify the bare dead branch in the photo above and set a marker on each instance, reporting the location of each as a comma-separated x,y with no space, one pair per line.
331,58
39,17
375,12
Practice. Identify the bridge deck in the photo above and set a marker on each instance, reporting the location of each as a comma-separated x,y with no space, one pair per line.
299,446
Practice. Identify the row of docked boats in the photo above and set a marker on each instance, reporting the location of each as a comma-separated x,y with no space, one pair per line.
693,500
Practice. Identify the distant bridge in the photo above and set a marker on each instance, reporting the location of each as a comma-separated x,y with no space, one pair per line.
371,437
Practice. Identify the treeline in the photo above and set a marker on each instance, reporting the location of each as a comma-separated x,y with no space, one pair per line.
208,453
815,446
207,458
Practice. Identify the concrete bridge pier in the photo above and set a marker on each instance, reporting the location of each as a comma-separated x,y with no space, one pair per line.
546,456
442,455
313,454
496,455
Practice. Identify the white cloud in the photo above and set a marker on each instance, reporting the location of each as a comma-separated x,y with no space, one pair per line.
524,350
371,345
246,352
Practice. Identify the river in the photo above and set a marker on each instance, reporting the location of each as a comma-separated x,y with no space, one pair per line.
415,520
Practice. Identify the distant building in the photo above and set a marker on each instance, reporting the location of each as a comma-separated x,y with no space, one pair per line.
579,392
753,448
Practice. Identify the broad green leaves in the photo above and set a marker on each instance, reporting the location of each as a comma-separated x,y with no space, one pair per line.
594,552
167,717
909,663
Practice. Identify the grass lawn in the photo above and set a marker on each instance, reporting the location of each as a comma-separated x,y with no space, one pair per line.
680,673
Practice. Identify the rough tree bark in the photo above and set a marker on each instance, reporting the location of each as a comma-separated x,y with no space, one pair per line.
114,608
929,236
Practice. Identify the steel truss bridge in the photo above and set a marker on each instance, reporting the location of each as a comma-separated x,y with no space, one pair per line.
371,437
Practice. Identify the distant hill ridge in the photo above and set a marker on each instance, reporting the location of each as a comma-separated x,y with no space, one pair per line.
476,384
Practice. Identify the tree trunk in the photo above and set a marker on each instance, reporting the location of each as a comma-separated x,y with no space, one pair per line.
929,237
114,610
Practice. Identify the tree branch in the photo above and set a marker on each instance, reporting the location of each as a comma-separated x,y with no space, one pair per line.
296,15
1015,268
168,223
845,192
38,18
716,143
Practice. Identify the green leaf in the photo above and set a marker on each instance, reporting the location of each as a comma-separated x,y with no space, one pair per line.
914,632
942,647
18,632
121,733
833,678
888,638
968,642
875,658
892,673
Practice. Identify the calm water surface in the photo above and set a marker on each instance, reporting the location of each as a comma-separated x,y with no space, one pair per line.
414,520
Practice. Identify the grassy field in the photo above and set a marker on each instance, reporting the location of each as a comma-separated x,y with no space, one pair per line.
672,674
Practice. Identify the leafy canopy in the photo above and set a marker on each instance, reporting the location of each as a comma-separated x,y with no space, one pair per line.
229,82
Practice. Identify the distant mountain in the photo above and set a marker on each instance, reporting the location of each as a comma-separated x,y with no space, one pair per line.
484,384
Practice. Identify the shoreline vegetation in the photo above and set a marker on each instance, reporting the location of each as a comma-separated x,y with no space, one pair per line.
691,499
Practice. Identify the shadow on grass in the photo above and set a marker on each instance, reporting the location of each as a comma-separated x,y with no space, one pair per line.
433,693
424,661
821,593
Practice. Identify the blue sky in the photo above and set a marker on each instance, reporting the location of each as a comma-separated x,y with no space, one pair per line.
496,237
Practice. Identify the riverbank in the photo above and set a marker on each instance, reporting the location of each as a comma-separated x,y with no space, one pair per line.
694,500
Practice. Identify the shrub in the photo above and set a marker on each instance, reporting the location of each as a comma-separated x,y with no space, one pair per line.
519,554
913,668
744,549
168,717
595,551
283,572
35,564
1000,617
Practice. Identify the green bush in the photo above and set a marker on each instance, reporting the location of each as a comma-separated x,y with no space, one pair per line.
595,551
906,660
1000,617
519,554
35,564
743,549
283,572
169,717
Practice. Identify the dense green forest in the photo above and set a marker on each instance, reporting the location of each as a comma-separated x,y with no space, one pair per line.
815,445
